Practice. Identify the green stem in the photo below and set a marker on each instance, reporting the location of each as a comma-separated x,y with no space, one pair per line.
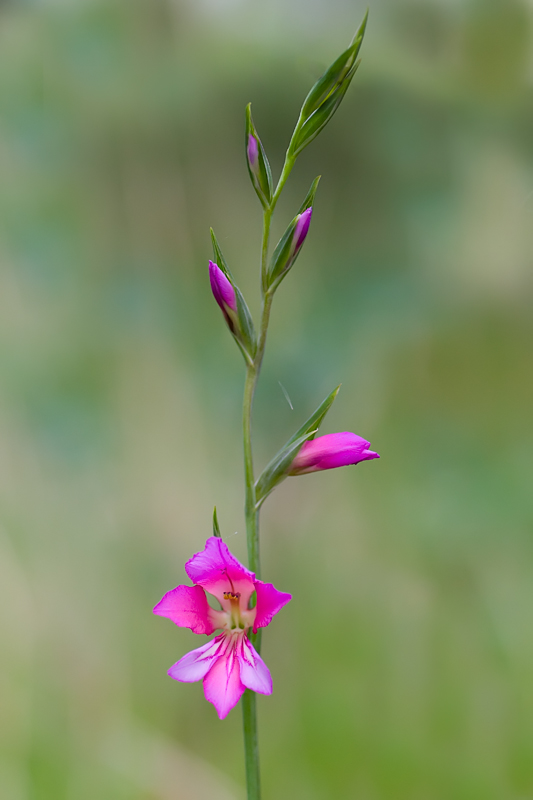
251,746
287,169
249,714
251,513
267,216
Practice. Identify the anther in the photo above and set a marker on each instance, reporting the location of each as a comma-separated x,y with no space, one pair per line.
231,595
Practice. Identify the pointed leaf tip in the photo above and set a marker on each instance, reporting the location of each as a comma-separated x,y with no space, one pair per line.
362,28
276,470
326,95
216,528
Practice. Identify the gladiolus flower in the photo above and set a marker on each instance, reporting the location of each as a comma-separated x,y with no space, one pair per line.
330,451
228,664
224,294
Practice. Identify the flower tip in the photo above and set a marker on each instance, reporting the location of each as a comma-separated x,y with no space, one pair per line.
222,289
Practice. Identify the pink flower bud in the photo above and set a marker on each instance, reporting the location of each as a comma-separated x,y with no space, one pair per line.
302,226
223,291
224,294
330,451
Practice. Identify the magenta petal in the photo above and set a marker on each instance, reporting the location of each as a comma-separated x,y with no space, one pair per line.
330,451
218,571
187,606
222,684
255,674
195,665
222,289
269,601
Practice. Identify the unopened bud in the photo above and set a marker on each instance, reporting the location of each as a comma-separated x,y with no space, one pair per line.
232,303
302,226
288,247
331,451
224,294
257,161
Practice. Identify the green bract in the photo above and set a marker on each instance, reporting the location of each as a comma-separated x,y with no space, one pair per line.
326,95
216,528
276,471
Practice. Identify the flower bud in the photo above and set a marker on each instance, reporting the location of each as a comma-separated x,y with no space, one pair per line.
232,303
288,247
330,451
300,231
224,294
257,161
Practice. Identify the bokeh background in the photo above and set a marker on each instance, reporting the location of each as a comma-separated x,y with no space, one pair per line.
403,668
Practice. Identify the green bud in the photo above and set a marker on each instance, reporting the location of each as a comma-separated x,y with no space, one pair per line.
327,94
257,161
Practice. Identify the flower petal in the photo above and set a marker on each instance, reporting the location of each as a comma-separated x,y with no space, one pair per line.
222,684
187,606
269,602
195,665
218,571
255,674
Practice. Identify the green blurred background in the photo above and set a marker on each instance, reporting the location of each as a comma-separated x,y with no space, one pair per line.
403,668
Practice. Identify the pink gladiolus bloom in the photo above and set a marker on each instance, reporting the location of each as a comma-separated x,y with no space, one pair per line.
330,451
228,664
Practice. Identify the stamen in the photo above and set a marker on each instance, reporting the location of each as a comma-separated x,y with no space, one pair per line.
231,595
